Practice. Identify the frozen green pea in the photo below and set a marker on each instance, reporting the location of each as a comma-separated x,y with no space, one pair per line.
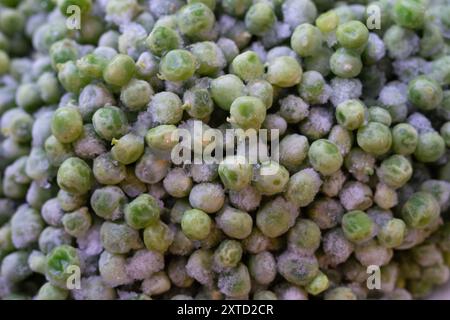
60,263
313,88
28,97
276,217
136,94
351,114
395,171
196,224
161,137
67,124
247,66
177,183
345,63
374,138
92,65
163,39
108,202
234,223
357,226
195,19
166,108
392,233
14,267
209,57
110,122
177,65
304,236
271,178
52,237
353,34
325,157
303,187
70,201
158,236
51,292
198,103
306,40
235,173
247,113
340,293
425,93
108,171
319,284
142,212
151,169
119,238
261,89
227,255
430,147
284,72
404,139
235,282
409,14
63,51
225,89
420,210
120,70
445,133
75,176
78,222
297,269
49,88
260,18
262,267
128,148
71,78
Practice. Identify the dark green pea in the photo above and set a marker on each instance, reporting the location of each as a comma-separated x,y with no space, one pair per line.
75,176
178,65
67,124
110,122
142,212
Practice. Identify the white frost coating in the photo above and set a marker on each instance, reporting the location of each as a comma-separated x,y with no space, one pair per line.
344,89
276,35
356,196
52,213
161,8
420,122
203,172
131,40
373,254
377,46
247,199
198,269
90,243
290,292
144,263
225,23
336,246
393,94
279,51
407,69
258,48
296,12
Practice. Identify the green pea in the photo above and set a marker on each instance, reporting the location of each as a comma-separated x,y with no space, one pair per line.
298,269
395,171
209,57
142,212
352,35
351,114
234,223
162,40
158,236
75,176
136,94
83,5
71,78
120,70
236,8
59,265
178,65
374,138
63,51
304,236
28,97
327,21
51,292
208,197
228,254
108,171
67,124
110,122
119,238
303,187
161,137
392,234
77,223
276,217
404,139
225,89
247,66
381,115
319,284
49,88
247,113
345,63
420,210
198,103
234,173
409,14
325,157
235,282
195,19
196,224
128,149
166,108
425,93
357,226
284,72
430,147
271,178
260,18
108,202
306,40
313,88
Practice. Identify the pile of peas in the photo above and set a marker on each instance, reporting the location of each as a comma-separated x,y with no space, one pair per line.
87,123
